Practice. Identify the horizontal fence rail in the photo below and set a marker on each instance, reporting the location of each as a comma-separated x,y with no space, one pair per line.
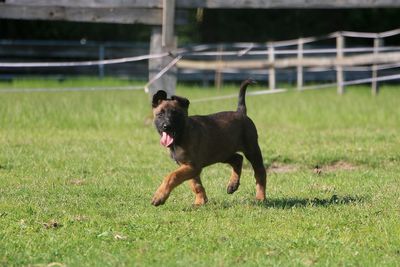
272,61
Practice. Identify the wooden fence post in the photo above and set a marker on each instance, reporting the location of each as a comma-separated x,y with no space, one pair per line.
339,67
163,40
271,69
218,79
300,66
101,57
378,42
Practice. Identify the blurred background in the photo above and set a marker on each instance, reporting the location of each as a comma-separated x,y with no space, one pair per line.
221,29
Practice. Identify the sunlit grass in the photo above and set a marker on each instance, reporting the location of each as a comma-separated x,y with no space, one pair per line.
78,170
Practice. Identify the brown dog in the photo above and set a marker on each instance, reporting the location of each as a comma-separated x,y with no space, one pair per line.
198,141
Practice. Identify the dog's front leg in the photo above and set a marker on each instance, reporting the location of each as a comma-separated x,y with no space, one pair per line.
183,173
198,190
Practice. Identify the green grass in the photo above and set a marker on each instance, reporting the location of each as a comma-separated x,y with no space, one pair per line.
33,83
78,170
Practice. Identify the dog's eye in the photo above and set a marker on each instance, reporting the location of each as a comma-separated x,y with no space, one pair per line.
159,115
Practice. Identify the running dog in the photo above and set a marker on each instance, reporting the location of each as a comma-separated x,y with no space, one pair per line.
199,141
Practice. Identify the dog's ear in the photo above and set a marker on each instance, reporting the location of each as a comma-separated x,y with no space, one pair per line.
158,97
183,102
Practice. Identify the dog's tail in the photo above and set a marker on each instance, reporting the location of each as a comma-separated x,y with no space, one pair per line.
242,93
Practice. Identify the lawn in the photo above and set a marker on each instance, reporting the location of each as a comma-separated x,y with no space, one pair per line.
78,171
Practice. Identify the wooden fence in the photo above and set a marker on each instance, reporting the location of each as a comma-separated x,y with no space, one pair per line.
268,61
371,59
162,15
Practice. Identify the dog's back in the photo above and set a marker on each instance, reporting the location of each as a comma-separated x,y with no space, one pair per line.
229,129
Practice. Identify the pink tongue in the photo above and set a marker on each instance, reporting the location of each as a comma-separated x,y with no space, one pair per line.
166,139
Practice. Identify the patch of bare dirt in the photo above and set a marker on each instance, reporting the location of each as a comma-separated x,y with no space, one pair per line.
77,182
80,218
337,166
52,264
52,224
281,168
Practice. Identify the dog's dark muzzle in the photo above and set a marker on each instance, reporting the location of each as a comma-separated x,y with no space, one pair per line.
166,127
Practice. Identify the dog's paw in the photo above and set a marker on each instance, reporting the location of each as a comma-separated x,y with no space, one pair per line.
232,187
159,199
200,201
157,202
260,197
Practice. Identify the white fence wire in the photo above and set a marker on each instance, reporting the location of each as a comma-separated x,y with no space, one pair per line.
243,49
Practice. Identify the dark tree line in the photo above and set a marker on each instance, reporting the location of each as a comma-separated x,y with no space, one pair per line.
264,25
215,25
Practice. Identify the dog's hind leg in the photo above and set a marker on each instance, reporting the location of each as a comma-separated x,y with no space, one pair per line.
253,154
198,190
183,173
236,161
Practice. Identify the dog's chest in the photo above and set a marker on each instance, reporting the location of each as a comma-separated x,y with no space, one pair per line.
179,155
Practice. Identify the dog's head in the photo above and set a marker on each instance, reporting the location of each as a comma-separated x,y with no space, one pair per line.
169,116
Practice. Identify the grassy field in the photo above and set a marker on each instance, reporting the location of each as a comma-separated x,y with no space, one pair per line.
78,170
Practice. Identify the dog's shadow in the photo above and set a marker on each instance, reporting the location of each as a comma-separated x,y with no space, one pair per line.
292,202
334,200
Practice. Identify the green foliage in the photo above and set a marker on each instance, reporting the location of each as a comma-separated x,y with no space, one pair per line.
78,169
220,25
61,30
